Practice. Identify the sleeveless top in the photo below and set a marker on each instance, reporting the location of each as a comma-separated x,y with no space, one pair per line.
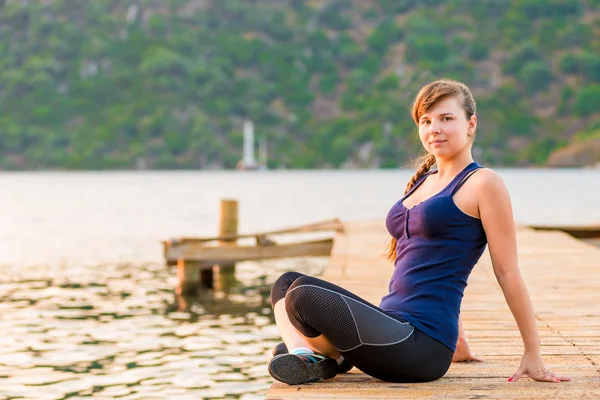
438,246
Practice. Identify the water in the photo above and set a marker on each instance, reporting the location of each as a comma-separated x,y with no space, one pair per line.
88,307
119,331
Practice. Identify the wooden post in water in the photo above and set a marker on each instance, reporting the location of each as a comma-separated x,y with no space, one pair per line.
228,226
188,276
192,274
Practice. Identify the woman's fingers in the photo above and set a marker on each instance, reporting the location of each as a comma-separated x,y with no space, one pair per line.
547,376
558,378
542,375
465,358
516,376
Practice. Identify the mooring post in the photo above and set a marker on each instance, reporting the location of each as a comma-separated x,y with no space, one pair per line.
224,280
188,276
228,226
191,274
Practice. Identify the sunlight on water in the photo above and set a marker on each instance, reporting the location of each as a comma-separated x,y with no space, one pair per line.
120,332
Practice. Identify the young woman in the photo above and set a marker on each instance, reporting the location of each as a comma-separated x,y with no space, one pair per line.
439,231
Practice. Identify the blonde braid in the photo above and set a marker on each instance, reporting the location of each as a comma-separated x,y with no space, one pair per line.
426,162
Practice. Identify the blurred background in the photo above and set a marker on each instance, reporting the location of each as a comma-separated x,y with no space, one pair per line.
168,83
124,123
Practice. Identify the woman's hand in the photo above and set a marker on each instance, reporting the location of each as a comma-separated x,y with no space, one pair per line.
533,367
463,352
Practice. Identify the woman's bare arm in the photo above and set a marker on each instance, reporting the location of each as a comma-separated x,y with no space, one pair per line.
498,222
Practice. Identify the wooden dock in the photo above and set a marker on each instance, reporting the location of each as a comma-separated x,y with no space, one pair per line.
563,278
197,257
580,232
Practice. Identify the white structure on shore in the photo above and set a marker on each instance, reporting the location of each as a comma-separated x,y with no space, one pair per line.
248,161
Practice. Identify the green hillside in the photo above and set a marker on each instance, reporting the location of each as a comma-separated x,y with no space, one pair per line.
103,84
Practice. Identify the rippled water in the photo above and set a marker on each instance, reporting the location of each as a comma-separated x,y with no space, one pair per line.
118,331
88,308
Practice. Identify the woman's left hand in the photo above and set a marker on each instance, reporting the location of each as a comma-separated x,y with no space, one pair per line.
533,367
463,352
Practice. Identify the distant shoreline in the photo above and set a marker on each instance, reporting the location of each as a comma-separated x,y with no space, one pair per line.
274,170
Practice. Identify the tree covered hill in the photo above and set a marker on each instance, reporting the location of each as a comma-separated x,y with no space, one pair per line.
103,84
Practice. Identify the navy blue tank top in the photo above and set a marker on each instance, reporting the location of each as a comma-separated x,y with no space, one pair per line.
438,246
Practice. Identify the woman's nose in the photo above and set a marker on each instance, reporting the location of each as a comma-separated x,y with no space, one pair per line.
435,128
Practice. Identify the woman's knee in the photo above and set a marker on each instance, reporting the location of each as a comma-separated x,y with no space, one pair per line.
301,295
303,307
282,284
315,308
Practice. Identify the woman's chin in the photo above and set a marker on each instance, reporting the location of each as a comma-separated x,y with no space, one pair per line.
443,154
437,151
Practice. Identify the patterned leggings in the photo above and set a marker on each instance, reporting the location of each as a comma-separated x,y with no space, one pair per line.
381,345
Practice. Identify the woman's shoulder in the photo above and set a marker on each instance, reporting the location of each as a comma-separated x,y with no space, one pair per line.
486,176
487,182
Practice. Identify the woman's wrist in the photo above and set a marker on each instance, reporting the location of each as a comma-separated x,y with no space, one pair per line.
532,344
533,351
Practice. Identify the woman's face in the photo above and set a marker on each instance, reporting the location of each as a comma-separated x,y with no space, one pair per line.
444,130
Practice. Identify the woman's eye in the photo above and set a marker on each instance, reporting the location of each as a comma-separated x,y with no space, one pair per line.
425,122
445,119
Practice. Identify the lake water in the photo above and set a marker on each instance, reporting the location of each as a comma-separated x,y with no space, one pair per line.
88,307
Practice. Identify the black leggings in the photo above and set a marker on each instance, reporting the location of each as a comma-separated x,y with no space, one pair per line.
381,345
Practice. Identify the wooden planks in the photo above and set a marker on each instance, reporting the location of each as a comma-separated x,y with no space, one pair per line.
210,255
563,278
580,232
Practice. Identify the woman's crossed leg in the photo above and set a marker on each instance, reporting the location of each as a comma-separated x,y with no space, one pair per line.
313,314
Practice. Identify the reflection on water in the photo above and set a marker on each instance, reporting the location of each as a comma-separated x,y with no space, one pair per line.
119,331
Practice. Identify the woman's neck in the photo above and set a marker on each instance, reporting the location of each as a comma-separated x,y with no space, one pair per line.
451,167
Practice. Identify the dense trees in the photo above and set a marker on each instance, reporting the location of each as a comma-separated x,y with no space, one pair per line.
104,84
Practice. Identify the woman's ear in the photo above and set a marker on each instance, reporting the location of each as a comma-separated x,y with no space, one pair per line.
472,126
